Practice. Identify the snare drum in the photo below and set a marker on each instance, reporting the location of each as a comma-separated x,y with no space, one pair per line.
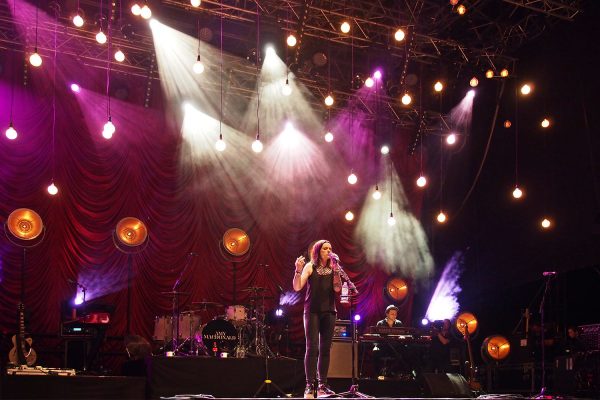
237,315
219,336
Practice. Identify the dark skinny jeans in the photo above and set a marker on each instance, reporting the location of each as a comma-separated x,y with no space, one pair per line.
318,329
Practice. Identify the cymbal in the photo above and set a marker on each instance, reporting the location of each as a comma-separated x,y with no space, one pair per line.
202,304
253,289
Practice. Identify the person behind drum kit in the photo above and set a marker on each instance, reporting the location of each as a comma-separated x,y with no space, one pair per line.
322,279
383,353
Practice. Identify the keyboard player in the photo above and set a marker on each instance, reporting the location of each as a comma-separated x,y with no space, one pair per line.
385,356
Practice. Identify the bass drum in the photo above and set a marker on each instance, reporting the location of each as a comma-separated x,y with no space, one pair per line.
219,336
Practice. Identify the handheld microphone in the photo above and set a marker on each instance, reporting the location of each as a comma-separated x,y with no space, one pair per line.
334,257
549,273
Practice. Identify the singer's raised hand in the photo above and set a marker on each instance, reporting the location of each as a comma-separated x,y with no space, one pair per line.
299,264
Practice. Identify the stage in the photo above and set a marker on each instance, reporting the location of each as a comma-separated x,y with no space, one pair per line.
228,378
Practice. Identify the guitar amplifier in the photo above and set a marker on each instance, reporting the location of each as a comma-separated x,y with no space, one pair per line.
590,336
78,330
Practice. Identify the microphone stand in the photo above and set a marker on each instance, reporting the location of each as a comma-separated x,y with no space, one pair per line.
543,389
175,306
353,390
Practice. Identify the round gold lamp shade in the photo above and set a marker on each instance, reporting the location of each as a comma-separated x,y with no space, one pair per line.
131,232
466,320
24,224
396,289
236,242
495,348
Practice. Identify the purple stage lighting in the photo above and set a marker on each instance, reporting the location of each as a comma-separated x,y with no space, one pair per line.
424,322
279,312
377,74
444,302
75,87
357,317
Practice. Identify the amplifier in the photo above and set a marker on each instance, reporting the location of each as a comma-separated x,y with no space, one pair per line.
343,329
78,330
590,336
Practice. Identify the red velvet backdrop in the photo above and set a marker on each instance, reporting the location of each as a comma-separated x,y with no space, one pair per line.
141,172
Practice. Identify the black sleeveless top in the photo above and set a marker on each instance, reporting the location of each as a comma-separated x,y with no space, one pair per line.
320,297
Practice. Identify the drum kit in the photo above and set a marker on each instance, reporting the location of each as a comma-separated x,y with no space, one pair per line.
233,331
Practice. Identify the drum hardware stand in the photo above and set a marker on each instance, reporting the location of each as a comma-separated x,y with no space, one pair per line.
175,305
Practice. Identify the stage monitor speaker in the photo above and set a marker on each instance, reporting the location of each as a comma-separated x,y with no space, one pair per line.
446,385
340,364
76,354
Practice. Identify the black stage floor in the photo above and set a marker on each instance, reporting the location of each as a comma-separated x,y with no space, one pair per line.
168,377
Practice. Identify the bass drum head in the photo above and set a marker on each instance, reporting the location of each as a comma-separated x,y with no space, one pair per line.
219,336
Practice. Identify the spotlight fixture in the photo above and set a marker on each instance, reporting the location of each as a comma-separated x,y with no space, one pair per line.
526,89
329,137
474,82
466,323
52,189
546,223
236,242
489,74
195,3
396,289
345,27
35,59
329,100
385,149
517,193
504,73
545,123
11,132
291,40
369,82
441,217
352,178
100,37
461,9
438,87
119,56
78,20
399,35
376,194
495,348
198,66
406,99
349,216
146,12
421,181
451,139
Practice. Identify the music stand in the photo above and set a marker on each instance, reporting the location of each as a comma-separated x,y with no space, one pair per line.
353,390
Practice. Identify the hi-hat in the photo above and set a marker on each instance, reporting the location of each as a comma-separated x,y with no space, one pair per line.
131,231
24,224
236,242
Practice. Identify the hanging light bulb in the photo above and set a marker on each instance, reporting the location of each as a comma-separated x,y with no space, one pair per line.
385,149
545,123
52,189
349,216
461,9
504,73
195,3
35,58
369,82
474,82
220,145
291,40
438,87
489,74
119,56
352,179
257,145
109,129
286,90
198,67
507,124
78,20
345,27
391,220
100,37
329,100
329,137
525,89
376,194
517,193
146,12
421,181
441,217
11,132
406,99
136,9
451,139
546,223
399,35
